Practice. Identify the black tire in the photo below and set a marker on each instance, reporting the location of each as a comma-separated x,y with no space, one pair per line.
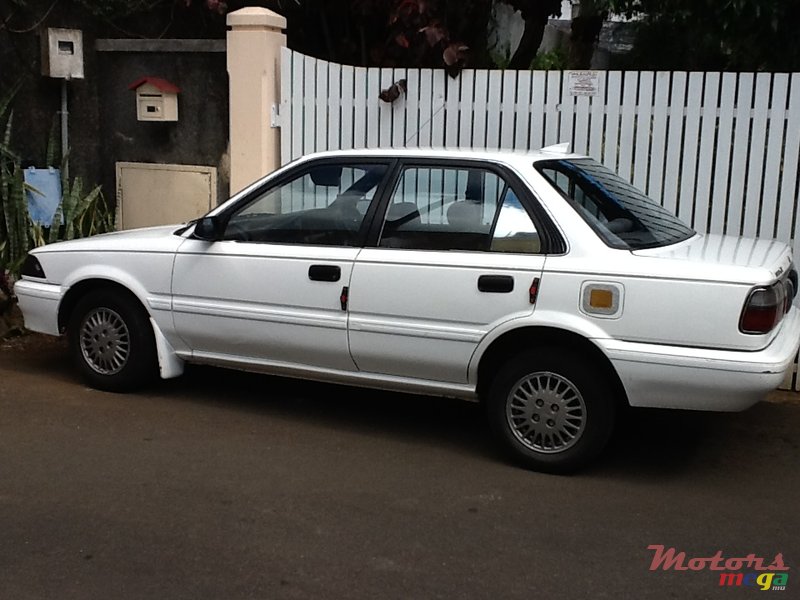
111,341
551,409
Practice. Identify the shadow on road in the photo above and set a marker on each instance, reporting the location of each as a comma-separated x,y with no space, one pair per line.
648,443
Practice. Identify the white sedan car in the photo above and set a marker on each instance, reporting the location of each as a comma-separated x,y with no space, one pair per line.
541,284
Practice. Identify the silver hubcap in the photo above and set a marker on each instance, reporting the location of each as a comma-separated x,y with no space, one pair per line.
546,412
105,341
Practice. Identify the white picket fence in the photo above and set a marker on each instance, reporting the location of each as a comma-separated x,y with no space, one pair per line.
718,149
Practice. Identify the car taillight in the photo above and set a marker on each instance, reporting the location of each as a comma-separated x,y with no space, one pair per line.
764,309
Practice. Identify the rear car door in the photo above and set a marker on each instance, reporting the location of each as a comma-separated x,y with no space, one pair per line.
458,252
270,289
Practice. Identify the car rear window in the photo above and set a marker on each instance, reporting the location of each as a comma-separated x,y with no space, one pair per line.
621,214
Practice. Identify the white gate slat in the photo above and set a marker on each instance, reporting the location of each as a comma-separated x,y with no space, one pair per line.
674,142
360,108
493,108
551,125
777,117
741,139
523,113
611,131
411,130
309,104
465,112
580,138
705,165
508,109
687,192
537,108
399,112
346,115
385,109
658,145
298,64
425,108
437,124
479,116
630,84
285,111
755,161
566,112
789,176
644,115
334,106
373,107
598,119
722,153
322,122
453,96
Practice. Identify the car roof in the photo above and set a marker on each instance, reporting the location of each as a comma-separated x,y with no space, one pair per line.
510,157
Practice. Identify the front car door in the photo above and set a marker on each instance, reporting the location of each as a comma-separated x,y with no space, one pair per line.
459,252
270,290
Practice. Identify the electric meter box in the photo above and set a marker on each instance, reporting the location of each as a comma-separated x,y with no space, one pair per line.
62,53
156,99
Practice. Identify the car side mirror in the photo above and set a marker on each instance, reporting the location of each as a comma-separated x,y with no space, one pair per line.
208,229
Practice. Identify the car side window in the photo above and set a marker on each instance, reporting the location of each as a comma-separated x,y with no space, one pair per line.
459,208
324,204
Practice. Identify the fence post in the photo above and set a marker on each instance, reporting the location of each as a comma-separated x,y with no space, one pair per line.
255,39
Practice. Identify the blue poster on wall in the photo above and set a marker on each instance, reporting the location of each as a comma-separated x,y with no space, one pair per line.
44,198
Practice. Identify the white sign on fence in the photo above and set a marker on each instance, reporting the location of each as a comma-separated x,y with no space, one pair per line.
583,83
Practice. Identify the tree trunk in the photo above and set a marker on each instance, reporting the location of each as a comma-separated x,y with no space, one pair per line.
585,31
529,44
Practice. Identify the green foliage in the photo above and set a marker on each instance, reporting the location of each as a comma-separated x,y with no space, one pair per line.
554,60
734,35
78,214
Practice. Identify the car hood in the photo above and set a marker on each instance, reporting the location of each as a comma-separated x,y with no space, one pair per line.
161,238
728,257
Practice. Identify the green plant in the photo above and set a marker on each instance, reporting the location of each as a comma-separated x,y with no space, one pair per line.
79,213
14,239
553,60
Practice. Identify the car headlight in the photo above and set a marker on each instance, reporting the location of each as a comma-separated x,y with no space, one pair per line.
32,267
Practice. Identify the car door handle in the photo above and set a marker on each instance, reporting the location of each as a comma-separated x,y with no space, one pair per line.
498,284
324,273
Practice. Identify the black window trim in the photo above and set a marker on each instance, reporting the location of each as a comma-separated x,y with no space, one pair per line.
292,173
551,240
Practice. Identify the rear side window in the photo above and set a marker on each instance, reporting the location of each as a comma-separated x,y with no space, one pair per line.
620,214
457,208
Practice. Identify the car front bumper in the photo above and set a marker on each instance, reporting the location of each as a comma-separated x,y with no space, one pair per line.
703,379
39,304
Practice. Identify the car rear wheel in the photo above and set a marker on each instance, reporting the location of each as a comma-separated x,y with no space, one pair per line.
552,410
111,341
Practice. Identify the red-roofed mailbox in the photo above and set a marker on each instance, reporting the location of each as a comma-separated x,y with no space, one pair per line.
156,99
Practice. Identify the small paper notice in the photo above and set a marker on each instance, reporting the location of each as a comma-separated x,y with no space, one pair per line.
583,83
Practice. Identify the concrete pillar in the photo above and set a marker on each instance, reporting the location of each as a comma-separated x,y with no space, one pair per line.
255,39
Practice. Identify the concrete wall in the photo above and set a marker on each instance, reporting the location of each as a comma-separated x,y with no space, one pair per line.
199,137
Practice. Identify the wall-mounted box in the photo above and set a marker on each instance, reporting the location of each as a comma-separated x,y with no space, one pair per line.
62,53
156,99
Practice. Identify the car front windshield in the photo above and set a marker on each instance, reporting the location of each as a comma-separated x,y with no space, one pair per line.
620,214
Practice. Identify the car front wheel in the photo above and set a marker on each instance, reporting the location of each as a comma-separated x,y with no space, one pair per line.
111,341
551,409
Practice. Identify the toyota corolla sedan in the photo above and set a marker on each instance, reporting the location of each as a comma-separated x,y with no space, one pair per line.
541,284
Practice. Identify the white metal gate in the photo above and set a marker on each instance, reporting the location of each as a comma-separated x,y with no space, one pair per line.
718,149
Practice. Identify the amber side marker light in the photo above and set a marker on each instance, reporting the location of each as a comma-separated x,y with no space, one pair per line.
601,299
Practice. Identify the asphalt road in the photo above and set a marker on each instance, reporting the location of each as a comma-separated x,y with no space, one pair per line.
224,485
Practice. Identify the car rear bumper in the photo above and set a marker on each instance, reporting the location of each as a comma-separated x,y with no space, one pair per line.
703,379
39,304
